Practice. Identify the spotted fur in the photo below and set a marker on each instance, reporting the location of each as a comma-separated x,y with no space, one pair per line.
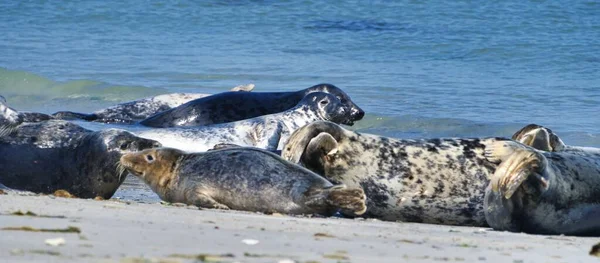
544,192
235,106
242,179
46,156
266,132
439,181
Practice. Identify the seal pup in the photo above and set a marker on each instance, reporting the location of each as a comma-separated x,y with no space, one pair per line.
241,179
266,132
543,192
52,155
440,181
235,106
134,111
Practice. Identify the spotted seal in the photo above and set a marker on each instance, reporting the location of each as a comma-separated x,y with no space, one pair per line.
134,111
266,132
242,179
439,181
543,192
46,156
11,118
235,106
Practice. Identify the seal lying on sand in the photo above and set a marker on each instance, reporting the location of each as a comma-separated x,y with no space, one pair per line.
543,192
439,181
46,156
235,106
138,110
242,179
266,132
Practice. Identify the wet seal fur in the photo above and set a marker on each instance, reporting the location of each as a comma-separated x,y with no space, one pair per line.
440,181
241,179
52,155
544,192
235,106
134,111
266,132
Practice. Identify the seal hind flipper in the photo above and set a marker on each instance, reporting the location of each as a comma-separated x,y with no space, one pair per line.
539,137
518,163
297,143
339,197
246,88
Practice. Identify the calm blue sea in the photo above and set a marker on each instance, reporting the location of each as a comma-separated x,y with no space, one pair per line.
419,68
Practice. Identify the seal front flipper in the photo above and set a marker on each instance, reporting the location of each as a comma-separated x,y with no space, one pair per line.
200,199
518,163
539,137
349,201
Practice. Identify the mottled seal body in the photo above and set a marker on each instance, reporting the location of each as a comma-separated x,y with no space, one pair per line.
46,156
439,181
266,132
235,106
134,111
11,118
543,192
242,179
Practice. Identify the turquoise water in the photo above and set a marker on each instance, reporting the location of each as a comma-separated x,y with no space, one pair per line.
418,68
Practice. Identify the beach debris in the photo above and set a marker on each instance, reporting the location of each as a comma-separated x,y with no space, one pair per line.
63,193
45,252
595,251
55,242
2,192
99,198
29,213
337,255
287,260
205,257
250,242
70,229
323,235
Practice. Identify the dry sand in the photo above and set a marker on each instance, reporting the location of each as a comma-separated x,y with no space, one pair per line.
118,231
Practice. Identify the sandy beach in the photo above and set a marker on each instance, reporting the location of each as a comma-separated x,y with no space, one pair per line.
129,231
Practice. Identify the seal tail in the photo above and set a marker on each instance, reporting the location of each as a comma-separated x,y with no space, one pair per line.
348,200
69,115
298,142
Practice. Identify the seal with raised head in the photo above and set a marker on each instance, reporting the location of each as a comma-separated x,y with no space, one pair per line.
266,132
47,156
235,106
241,179
134,111
543,192
440,181
11,118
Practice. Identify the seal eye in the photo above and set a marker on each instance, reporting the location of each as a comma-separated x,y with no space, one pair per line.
324,102
124,146
149,158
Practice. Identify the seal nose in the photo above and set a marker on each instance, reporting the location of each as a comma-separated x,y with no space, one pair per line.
359,115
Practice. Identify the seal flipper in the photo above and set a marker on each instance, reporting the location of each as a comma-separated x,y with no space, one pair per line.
199,199
69,115
539,137
349,201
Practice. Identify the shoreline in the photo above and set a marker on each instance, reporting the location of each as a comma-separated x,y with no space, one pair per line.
129,231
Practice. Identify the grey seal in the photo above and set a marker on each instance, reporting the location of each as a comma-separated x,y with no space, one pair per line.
440,181
134,111
543,192
265,132
11,118
242,179
235,106
47,156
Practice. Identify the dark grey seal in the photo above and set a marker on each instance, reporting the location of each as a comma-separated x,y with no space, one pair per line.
440,181
134,111
235,106
242,179
544,192
47,156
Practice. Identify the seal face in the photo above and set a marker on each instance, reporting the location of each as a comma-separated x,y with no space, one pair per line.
52,155
235,106
439,181
242,179
134,111
9,118
539,137
266,132
543,192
